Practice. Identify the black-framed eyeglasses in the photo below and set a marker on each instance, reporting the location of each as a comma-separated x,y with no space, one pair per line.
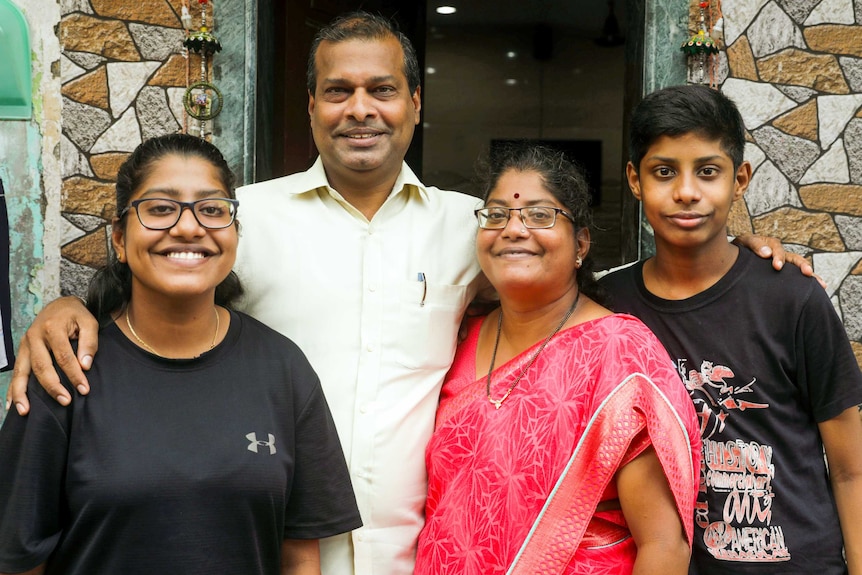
164,213
533,217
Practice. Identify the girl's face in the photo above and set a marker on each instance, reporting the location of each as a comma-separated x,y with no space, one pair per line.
187,259
518,258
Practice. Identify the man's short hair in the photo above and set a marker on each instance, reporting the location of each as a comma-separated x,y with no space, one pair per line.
363,26
681,110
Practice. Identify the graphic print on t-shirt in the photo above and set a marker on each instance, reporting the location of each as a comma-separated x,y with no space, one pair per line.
734,505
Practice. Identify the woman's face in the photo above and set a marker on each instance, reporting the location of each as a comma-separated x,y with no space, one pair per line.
187,259
518,259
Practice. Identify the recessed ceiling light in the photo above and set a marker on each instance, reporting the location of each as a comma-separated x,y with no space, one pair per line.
430,70
446,10
511,54
511,81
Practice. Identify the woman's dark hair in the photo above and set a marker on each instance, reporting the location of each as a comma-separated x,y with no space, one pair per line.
562,178
110,288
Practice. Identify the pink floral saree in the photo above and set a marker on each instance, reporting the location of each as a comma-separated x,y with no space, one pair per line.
515,490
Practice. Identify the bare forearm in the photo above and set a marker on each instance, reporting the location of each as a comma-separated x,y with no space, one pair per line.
848,499
662,558
300,557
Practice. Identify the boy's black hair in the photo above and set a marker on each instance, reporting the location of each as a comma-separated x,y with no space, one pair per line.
361,25
681,110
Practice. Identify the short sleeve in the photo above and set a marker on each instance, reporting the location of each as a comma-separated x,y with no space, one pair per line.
322,502
33,453
826,363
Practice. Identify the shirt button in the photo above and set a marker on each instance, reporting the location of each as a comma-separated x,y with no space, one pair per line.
372,288
370,347
363,409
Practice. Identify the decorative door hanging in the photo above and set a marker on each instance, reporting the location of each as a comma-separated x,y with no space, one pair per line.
202,99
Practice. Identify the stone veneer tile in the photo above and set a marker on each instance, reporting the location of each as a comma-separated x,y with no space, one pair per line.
84,59
107,165
850,229
818,71
739,220
796,226
74,278
835,198
123,136
801,121
175,102
173,72
154,114
850,293
830,168
107,38
831,12
798,9
857,270
157,42
74,162
754,155
835,39
833,113
83,124
833,268
69,232
69,6
88,196
791,154
858,12
768,190
853,137
738,14
798,93
86,223
741,60
125,81
857,351
156,12
852,68
773,30
90,250
90,89
69,70
757,102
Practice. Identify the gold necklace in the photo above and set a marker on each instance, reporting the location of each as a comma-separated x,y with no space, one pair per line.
499,402
154,352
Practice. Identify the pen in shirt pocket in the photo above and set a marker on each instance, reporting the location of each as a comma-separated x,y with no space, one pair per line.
421,277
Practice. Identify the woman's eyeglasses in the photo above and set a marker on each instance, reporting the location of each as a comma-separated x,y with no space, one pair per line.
533,217
163,213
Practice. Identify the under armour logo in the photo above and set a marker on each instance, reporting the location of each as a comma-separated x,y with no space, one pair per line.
252,437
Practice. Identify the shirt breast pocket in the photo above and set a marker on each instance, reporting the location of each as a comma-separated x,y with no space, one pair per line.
428,316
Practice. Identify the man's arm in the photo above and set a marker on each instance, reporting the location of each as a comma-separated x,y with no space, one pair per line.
61,321
767,247
842,439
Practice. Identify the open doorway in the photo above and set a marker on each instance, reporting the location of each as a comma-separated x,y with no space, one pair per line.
550,71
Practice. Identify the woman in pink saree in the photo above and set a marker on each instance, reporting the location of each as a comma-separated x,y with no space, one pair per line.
565,440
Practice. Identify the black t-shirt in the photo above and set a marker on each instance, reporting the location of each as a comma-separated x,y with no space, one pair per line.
175,466
765,358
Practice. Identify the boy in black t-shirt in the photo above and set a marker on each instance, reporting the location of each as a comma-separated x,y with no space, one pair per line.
765,358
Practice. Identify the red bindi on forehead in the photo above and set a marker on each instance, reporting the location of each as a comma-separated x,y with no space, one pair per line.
517,196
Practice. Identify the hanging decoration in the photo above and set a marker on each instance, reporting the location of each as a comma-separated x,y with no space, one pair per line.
702,48
202,99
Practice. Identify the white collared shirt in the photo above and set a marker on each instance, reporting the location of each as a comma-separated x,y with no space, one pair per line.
350,293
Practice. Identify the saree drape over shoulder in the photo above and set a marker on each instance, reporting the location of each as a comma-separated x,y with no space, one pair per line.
515,489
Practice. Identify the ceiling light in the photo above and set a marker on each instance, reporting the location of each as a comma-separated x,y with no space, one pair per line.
430,70
511,81
511,54
446,10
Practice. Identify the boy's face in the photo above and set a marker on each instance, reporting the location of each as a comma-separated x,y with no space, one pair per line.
687,184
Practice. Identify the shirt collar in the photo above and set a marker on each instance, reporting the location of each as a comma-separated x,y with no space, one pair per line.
315,178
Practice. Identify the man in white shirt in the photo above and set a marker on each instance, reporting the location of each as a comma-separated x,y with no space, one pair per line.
364,267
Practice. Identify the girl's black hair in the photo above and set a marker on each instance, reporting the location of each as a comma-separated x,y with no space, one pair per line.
562,178
110,288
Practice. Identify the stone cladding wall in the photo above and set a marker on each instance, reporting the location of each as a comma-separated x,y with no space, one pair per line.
794,68
123,78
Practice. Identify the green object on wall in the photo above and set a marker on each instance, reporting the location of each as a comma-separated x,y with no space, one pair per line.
16,92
